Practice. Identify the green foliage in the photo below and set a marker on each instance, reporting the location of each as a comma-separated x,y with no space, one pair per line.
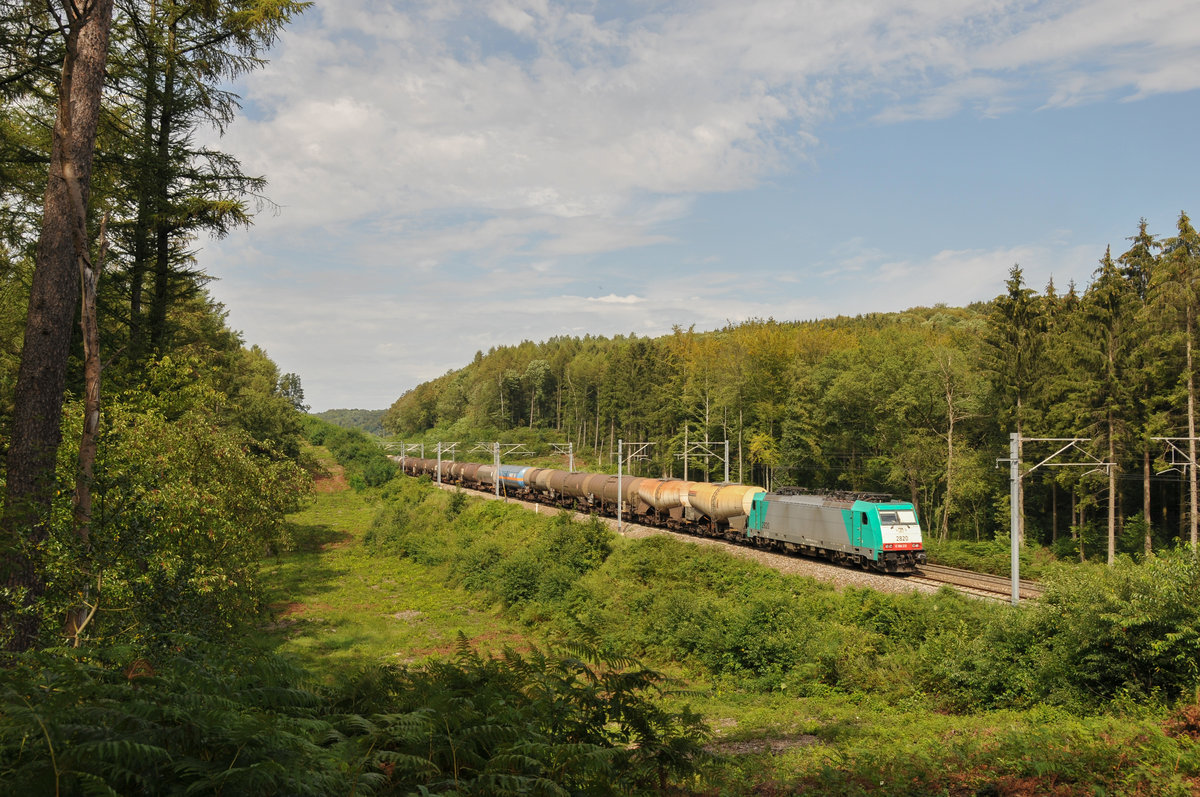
185,506
369,421
490,547
365,462
203,720
1132,629
989,556
1098,635
548,723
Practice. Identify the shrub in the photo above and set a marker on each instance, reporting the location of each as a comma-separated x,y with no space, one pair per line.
1133,628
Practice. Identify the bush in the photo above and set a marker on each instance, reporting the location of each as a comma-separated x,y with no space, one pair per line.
1131,632
365,462
1130,629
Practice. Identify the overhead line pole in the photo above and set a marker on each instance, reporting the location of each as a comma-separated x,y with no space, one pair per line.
1015,475
1014,497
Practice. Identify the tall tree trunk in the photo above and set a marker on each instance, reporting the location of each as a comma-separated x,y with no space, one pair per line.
1191,412
1112,493
1082,520
89,324
1146,499
740,421
1053,511
945,534
162,254
144,224
37,410
1020,482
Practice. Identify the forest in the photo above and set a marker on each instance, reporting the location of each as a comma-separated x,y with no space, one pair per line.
369,421
150,454
919,403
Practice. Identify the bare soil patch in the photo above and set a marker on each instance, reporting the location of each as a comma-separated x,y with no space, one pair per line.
408,615
757,746
331,481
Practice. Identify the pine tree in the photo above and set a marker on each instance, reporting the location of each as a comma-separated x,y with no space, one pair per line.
1146,372
172,62
1013,348
1178,290
1102,398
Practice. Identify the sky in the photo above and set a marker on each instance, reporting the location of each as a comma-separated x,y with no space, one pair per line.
451,176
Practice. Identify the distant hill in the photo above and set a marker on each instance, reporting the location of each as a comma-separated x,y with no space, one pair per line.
369,421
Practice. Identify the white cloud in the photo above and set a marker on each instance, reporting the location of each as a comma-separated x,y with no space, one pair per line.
612,298
472,159
404,109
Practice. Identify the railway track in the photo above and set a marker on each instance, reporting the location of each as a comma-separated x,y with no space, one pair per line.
932,577
983,585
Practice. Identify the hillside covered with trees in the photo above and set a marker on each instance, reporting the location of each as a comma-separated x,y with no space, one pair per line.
369,421
918,403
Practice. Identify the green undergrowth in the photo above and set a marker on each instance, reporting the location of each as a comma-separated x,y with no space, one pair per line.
873,744
828,690
221,720
425,642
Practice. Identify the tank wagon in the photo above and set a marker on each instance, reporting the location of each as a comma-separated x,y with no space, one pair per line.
867,530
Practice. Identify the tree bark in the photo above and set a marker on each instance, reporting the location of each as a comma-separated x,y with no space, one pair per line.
90,326
1146,499
1112,494
1053,512
36,430
1191,412
945,532
161,296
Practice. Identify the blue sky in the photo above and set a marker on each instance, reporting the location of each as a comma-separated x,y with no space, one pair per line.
453,176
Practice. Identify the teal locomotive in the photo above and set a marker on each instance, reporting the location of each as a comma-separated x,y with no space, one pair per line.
872,531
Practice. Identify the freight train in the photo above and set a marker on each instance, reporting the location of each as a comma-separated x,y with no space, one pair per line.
868,530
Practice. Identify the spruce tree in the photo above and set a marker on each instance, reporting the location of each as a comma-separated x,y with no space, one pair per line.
1178,290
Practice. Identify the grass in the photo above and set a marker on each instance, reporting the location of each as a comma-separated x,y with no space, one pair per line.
333,606
336,606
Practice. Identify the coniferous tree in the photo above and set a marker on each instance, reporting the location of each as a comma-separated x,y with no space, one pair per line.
172,64
1103,401
62,254
1014,345
1147,371
1178,290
